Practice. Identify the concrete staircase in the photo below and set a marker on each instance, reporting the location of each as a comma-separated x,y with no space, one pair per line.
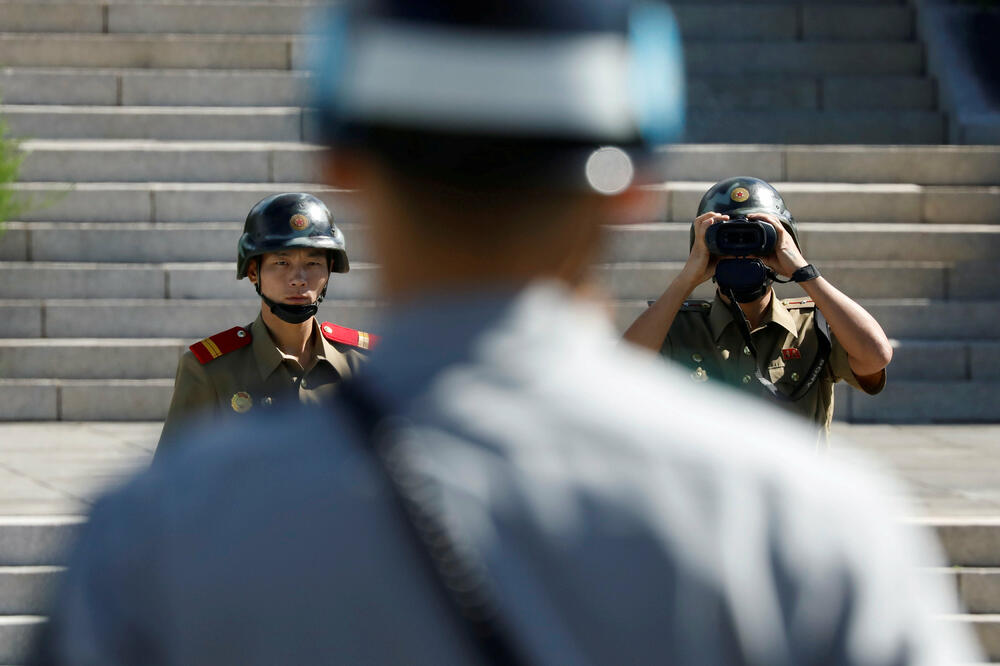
32,558
151,128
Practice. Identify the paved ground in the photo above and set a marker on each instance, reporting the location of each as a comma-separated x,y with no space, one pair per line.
57,468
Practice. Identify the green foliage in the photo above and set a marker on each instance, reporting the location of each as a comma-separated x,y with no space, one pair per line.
10,165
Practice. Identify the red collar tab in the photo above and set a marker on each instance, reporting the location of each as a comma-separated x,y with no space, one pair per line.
348,336
790,353
222,343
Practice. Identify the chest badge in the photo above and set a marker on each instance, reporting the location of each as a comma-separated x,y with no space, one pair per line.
790,353
241,402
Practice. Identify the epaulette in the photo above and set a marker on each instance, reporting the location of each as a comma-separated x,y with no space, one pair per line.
216,345
695,305
798,303
349,336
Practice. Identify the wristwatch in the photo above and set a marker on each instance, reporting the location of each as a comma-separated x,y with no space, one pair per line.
806,273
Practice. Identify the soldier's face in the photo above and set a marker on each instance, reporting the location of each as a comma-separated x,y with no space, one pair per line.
294,276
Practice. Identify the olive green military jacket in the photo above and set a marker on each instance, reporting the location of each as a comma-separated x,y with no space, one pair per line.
707,342
228,383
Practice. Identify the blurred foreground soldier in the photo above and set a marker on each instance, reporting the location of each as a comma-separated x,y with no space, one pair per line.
791,351
504,483
288,249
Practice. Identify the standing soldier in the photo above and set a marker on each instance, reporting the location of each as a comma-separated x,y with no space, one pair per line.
782,349
288,249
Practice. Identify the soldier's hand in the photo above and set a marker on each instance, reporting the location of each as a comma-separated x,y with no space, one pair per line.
786,258
700,265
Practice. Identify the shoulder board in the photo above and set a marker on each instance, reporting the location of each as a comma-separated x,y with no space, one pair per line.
349,336
695,306
798,303
216,345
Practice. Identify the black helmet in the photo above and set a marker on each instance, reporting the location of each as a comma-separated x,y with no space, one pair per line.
744,195
290,220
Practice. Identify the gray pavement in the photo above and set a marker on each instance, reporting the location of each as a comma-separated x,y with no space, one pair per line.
58,468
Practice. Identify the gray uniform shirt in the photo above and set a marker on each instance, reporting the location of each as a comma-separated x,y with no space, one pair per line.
621,520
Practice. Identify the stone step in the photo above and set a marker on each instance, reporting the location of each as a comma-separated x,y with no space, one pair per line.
205,51
174,17
290,124
978,587
27,590
900,318
969,246
674,201
916,401
151,160
814,57
791,92
903,401
239,51
85,399
817,127
986,628
176,281
156,358
860,202
860,279
139,87
154,318
920,165
159,123
970,542
623,280
821,241
162,202
153,87
17,633
36,540
136,160
179,161
91,358
915,318
769,21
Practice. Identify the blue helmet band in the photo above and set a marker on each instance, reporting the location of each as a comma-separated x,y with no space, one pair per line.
601,87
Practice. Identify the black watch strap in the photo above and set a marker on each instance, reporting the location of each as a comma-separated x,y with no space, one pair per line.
806,273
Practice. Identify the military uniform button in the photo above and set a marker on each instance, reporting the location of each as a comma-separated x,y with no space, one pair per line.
724,353
795,376
696,358
699,375
267,402
241,333
746,351
746,379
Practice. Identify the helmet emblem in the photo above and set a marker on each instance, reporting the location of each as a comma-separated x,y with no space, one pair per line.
740,194
241,402
299,222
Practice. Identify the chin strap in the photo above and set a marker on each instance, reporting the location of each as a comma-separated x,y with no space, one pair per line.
823,331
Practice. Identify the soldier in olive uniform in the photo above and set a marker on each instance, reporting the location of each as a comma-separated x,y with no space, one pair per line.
288,249
798,348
